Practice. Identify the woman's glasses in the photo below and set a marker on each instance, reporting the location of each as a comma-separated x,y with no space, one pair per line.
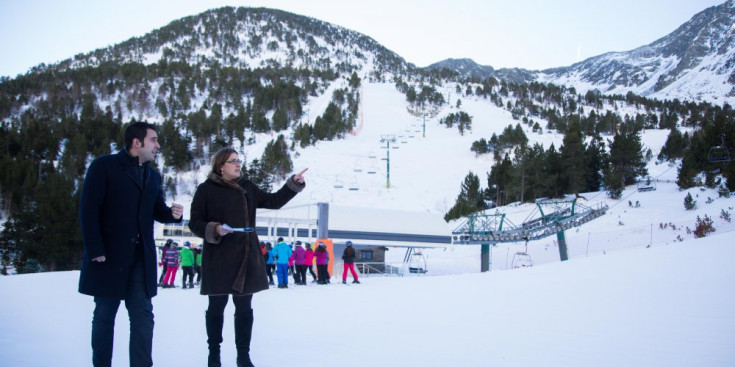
234,161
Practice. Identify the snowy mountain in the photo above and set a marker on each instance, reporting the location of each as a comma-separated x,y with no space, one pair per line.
695,62
470,69
249,38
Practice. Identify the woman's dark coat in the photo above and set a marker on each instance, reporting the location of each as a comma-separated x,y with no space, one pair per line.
232,264
115,207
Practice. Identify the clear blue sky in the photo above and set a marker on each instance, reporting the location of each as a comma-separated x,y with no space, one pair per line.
531,34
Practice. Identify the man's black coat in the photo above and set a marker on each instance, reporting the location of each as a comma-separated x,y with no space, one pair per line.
116,208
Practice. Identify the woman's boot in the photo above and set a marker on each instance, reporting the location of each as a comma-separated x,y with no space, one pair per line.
243,333
214,338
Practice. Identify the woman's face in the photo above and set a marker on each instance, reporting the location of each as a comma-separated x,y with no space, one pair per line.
232,167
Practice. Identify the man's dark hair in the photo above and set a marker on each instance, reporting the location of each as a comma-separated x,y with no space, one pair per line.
137,130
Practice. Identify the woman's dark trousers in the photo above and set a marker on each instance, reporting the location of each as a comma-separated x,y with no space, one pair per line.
243,328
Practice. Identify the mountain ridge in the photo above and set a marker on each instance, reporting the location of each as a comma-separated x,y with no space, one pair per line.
696,61
233,36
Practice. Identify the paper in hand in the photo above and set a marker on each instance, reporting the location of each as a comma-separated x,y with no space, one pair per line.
243,229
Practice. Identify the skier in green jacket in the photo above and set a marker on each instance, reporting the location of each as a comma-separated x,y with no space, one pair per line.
186,258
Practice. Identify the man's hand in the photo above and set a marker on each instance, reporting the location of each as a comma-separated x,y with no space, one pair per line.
100,259
177,211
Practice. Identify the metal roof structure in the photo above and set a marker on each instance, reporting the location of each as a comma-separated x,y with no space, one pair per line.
553,217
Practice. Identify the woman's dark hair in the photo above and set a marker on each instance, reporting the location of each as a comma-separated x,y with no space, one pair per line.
320,249
137,130
219,159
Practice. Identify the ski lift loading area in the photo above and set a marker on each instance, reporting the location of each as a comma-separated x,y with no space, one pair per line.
550,217
371,230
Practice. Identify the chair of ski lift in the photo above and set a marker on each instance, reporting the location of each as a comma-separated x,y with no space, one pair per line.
521,260
417,264
718,154
354,186
647,184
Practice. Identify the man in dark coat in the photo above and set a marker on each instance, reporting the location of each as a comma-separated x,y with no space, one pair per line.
120,198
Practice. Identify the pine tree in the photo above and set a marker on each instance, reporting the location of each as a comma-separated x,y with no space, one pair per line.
175,147
614,181
42,231
276,159
729,173
469,200
595,164
689,202
259,175
215,120
573,160
674,146
500,181
626,158
280,120
687,172
553,173
534,163
303,135
260,123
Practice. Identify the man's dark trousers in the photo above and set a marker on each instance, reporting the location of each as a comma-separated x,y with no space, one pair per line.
140,312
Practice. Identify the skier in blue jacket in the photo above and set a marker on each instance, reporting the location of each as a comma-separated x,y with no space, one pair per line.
270,264
283,252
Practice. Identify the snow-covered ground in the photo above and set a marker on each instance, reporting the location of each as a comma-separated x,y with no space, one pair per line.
638,290
667,306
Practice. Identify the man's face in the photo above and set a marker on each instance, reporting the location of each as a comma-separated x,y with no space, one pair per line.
149,147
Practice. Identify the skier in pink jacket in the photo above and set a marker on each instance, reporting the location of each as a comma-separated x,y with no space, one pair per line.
299,259
309,262
322,256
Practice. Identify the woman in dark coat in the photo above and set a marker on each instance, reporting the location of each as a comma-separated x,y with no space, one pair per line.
232,263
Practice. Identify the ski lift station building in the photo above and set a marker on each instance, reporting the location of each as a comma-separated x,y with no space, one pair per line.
372,230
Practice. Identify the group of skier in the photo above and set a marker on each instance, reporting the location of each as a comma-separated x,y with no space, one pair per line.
188,257
295,260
